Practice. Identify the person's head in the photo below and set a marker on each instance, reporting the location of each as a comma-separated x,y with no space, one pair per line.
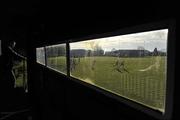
12,44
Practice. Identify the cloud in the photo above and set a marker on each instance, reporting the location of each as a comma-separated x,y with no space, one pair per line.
149,40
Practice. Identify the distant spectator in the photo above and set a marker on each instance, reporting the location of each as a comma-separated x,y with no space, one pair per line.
155,52
93,64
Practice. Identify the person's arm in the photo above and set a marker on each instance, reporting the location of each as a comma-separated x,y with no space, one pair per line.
15,53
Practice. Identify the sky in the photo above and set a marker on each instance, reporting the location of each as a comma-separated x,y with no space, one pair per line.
149,40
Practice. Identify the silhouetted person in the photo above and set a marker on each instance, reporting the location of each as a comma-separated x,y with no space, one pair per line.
93,64
7,59
73,63
155,52
120,66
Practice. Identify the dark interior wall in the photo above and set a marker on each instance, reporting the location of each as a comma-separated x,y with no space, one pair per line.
54,96
62,98
68,99
48,95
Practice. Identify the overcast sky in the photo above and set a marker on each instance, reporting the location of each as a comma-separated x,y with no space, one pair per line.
148,40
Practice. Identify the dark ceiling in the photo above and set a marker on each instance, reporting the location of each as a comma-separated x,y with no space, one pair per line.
52,21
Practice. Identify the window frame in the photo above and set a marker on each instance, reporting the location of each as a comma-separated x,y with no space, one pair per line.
167,24
65,73
44,56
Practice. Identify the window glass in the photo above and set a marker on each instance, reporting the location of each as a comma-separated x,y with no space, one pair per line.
56,57
20,74
132,66
40,55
